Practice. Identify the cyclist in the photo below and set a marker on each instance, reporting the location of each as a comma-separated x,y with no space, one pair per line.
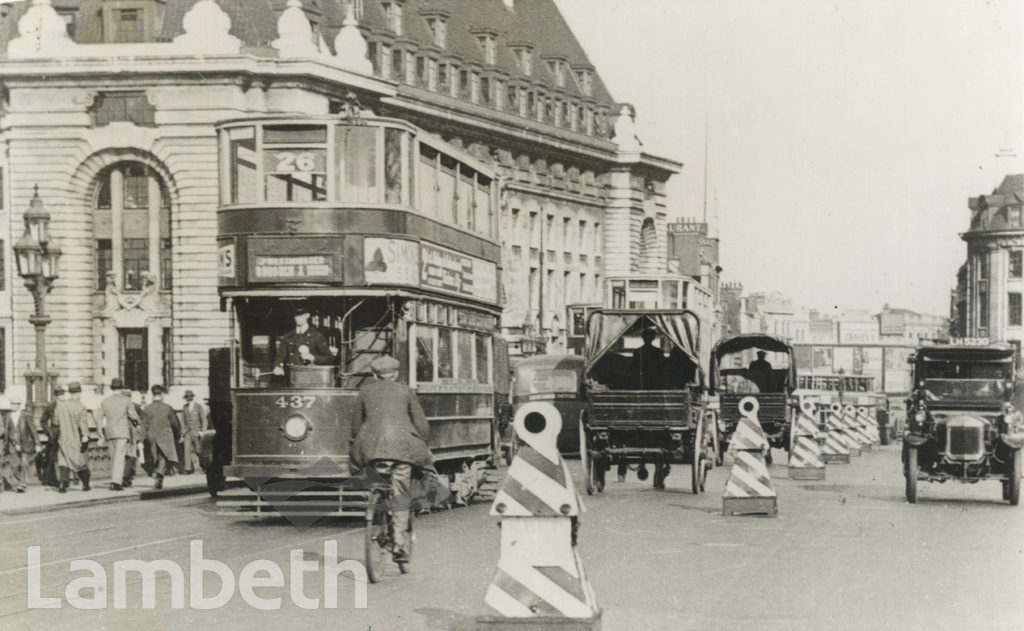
389,432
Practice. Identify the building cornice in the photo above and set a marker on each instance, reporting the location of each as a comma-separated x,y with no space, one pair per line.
34,73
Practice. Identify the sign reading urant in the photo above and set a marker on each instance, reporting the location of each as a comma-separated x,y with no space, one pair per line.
402,262
293,267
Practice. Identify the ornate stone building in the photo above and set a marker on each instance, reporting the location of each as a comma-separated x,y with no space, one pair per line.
110,107
990,286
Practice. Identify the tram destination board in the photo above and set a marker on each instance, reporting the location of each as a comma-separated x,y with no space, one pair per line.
293,267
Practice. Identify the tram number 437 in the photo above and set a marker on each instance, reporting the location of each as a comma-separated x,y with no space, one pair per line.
295,401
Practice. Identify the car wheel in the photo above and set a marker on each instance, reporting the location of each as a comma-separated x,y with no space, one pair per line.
910,472
1013,485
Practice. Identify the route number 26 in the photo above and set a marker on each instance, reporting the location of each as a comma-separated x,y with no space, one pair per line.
288,161
295,401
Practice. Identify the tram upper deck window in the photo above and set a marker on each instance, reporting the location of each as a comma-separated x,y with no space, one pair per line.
242,145
356,155
295,163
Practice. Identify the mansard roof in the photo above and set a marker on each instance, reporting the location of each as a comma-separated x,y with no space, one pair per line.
537,23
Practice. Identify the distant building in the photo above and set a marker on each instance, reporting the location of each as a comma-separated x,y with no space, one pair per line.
988,297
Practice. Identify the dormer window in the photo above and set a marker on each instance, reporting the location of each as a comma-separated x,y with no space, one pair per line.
489,45
585,77
524,55
557,68
69,16
393,15
439,28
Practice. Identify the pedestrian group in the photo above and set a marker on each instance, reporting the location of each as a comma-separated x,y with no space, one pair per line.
152,435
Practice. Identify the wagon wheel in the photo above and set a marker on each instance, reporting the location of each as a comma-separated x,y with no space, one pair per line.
698,467
513,447
1013,484
585,459
910,472
718,457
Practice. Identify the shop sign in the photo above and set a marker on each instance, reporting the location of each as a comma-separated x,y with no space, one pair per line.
447,270
226,261
391,261
858,332
293,267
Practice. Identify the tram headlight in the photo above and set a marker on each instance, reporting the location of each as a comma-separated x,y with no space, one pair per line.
295,428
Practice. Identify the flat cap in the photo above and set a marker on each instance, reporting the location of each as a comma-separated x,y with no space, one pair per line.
158,389
116,384
74,387
385,365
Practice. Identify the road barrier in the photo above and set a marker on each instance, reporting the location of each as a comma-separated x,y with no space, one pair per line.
539,582
835,449
805,461
749,489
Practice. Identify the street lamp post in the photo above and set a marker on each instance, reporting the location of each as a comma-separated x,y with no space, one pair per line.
37,255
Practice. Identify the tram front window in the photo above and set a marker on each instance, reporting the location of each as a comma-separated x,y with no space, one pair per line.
321,343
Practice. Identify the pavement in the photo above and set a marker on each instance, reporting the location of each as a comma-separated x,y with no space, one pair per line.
39,498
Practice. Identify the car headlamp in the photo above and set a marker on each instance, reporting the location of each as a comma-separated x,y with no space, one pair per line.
920,416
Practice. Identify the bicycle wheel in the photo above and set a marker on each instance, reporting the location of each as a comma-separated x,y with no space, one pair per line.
376,535
410,539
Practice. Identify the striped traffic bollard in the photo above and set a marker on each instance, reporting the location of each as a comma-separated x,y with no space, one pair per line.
866,416
850,435
835,449
805,461
539,582
859,431
749,489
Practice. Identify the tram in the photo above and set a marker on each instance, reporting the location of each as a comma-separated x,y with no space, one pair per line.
386,236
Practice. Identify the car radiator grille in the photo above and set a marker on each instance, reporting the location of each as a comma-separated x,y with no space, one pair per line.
965,442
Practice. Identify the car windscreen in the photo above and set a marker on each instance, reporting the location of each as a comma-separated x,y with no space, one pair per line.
542,381
961,380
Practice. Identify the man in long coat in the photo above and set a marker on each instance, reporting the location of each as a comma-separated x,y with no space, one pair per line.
161,422
72,423
118,420
193,416
18,445
390,433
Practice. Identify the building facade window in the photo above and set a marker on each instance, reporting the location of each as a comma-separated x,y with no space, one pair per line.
1013,301
489,46
983,307
132,228
1016,263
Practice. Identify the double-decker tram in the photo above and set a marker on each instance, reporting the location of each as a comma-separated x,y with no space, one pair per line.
386,236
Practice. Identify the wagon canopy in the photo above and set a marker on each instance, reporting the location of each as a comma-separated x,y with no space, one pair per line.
606,327
743,342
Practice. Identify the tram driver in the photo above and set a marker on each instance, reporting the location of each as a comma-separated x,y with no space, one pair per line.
304,345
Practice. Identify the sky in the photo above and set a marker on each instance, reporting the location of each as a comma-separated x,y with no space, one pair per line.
844,136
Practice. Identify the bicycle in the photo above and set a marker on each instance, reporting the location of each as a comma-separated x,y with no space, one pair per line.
380,531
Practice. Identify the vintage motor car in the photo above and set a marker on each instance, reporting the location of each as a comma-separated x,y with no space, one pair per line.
759,366
558,380
963,418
